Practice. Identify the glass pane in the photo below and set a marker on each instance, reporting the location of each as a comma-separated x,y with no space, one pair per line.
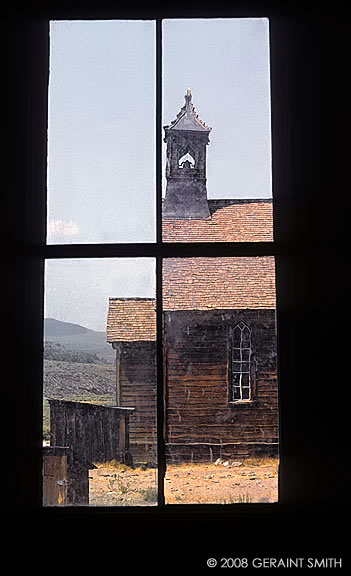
245,354
101,132
237,354
220,425
236,367
237,337
245,379
217,131
236,380
99,405
245,338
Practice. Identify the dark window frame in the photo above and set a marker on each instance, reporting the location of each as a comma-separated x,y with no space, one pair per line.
158,250
301,210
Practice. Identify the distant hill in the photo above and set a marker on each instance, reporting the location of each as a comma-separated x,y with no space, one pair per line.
54,327
78,339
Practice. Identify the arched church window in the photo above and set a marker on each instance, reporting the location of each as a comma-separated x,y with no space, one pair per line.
240,385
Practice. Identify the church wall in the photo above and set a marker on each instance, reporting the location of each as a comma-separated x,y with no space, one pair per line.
201,422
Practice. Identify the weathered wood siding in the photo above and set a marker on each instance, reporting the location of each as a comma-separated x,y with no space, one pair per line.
65,479
200,421
94,433
55,476
137,374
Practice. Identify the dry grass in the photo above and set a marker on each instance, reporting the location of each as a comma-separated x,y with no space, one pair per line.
254,480
116,466
260,462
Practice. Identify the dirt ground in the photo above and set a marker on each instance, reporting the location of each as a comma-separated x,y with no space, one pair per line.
223,482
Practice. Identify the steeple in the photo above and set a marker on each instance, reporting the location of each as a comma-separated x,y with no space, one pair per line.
186,138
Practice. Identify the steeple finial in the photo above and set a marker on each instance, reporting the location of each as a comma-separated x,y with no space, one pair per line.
188,96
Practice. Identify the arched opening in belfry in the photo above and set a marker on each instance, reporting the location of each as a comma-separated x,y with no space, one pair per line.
186,158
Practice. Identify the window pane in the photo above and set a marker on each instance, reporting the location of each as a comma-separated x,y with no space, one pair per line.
216,414
237,367
101,134
237,354
237,338
236,380
245,354
100,383
245,338
244,379
216,116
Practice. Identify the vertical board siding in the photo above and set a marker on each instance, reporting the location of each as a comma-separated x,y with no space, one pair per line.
139,391
92,432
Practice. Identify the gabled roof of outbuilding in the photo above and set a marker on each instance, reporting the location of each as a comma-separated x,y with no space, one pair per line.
131,320
231,221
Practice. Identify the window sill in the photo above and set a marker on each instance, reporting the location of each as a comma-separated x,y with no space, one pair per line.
242,403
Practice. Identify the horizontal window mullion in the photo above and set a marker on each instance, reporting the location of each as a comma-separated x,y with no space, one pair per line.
165,250
95,250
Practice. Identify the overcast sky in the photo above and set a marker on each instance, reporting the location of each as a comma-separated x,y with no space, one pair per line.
101,139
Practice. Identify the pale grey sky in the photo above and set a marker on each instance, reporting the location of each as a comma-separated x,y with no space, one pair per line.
101,140
78,290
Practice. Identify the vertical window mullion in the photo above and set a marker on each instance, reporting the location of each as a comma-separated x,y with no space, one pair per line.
161,456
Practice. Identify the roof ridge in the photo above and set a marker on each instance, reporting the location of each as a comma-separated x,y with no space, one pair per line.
240,200
131,298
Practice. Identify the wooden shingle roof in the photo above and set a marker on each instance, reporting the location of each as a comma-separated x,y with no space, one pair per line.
231,221
196,284
205,283
131,320
218,283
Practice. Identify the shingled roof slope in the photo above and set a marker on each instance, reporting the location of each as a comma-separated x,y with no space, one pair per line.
131,320
218,283
196,284
231,221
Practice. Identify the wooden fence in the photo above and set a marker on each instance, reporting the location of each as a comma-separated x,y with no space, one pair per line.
81,434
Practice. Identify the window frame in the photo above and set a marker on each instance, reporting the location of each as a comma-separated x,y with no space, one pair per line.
231,371
158,250
300,272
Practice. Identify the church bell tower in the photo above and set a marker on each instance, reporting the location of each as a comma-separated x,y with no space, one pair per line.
186,138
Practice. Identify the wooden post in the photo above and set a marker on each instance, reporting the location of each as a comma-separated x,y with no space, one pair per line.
122,437
55,476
